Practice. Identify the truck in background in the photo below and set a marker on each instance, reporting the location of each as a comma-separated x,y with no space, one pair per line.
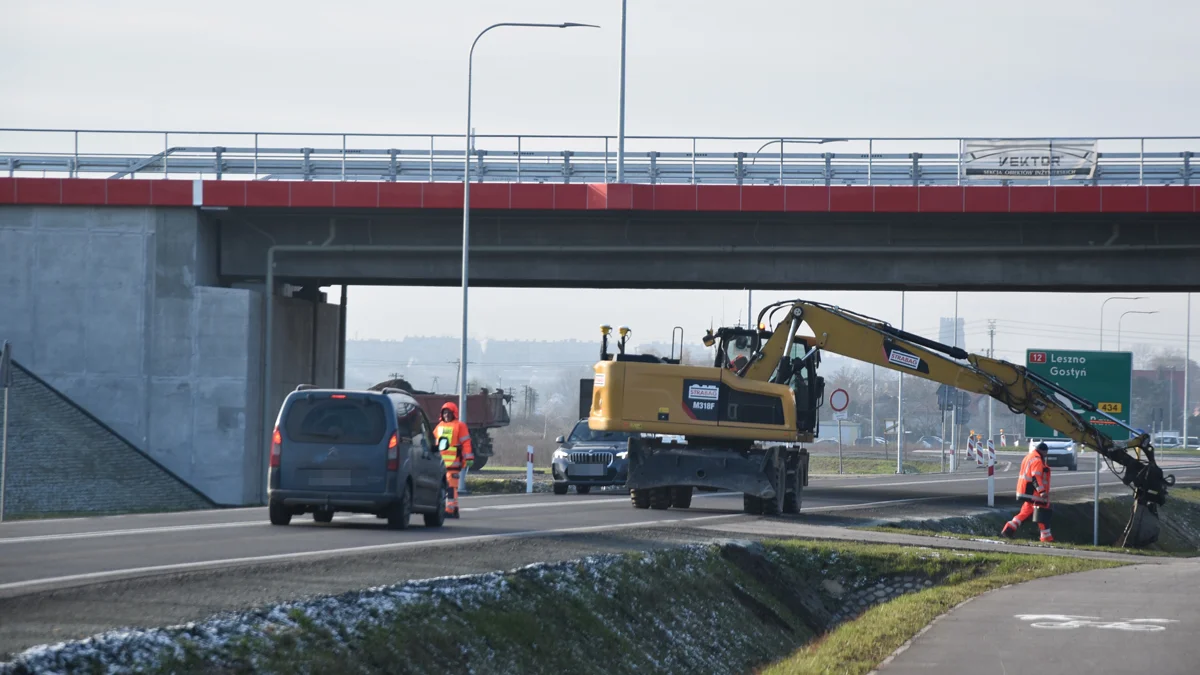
486,410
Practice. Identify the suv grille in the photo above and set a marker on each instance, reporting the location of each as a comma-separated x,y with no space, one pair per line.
591,458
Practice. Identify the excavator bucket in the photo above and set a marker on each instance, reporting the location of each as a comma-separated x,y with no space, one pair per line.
1142,528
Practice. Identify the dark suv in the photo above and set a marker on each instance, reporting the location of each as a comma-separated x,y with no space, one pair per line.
588,459
357,451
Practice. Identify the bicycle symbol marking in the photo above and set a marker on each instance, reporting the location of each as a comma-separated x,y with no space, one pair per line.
1070,622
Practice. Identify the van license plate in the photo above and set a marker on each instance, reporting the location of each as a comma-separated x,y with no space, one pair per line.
332,478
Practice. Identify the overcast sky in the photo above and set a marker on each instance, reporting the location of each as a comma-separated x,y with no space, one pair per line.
695,67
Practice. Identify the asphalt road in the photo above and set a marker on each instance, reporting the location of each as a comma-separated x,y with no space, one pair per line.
73,577
38,555
1124,620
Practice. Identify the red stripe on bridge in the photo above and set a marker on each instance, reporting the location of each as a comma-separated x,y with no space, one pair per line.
606,197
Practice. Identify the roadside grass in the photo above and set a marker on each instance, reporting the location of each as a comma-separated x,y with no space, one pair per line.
1179,526
1032,543
507,469
495,486
823,465
860,645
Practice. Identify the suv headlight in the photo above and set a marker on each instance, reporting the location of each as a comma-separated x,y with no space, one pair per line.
559,453
622,454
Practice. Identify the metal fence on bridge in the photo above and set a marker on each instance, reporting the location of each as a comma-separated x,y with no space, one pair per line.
563,159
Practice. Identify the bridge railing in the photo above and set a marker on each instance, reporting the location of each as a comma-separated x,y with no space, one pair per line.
558,159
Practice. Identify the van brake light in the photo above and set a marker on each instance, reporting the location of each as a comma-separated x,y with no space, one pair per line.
276,448
393,453
338,396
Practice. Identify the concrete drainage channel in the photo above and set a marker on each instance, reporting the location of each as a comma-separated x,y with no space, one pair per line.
644,612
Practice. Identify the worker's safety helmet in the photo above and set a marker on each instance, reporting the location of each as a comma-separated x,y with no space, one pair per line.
1042,447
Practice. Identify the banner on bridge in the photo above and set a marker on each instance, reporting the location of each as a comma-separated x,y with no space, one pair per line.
1028,159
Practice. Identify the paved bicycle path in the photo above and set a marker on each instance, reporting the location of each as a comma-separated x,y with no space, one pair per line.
1140,618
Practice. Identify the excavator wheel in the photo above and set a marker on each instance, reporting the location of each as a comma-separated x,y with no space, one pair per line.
795,484
660,498
640,498
773,506
681,497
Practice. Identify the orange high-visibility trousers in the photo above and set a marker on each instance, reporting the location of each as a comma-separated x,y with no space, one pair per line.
1024,514
453,476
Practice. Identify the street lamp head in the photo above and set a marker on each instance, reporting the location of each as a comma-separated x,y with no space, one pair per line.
577,25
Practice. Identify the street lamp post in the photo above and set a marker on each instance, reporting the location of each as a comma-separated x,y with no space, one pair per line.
1096,487
621,116
1115,297
900,405
1131,311
466,234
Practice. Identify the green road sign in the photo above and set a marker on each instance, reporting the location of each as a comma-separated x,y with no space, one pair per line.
1104,378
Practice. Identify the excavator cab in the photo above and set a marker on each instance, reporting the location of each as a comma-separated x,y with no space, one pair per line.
736,347
808,388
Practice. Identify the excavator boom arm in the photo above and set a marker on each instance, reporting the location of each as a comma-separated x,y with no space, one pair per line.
874,341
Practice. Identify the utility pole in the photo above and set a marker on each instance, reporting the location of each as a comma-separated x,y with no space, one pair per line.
991,355
1187,369
900,405
954,393
621,116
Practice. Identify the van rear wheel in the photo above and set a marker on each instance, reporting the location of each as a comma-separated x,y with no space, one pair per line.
438,517
400,510
280,514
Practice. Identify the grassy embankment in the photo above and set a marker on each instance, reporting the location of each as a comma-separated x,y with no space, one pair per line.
786,607
1179,525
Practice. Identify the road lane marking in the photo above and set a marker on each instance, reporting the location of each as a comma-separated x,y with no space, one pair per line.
91,576
333,552
595,501
605,501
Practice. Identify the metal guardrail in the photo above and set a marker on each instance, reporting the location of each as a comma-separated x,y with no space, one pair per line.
555,159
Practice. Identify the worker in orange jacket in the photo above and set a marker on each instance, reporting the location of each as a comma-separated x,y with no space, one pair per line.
1033,490
454,444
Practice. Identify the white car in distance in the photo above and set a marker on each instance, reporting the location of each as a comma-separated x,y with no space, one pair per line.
1060,452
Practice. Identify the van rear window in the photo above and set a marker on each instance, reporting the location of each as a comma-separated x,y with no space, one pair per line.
329,420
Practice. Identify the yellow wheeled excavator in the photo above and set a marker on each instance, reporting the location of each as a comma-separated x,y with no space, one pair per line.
744,419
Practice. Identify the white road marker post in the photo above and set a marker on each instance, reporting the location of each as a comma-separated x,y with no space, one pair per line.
528,469
991,473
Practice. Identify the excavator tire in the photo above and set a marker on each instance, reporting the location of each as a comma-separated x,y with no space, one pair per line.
660,498
640,498
773,506
681,497
795,484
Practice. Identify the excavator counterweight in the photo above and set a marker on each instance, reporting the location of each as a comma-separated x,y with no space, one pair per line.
743,416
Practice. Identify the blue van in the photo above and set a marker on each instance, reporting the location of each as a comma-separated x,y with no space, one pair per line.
356,451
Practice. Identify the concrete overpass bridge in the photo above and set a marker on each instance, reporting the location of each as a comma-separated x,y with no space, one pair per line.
135,280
